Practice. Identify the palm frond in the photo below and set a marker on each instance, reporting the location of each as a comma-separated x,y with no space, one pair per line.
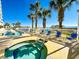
68,3
32,7
40,8
53,4
46,12
32,16
6,24
39,13
28,16
17,23
49,13
37,4
60,1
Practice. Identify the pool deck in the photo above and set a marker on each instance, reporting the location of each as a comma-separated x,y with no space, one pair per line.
55,50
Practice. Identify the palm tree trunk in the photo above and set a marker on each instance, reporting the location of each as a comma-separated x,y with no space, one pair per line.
60,25
36,23
60,16
32,23
44,23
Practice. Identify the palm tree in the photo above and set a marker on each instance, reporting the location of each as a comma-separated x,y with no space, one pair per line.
7,25
36,8
17,24
60,5
1,26
45,13
32,17
13,26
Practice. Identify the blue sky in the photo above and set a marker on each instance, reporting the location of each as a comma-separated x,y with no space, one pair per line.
17,10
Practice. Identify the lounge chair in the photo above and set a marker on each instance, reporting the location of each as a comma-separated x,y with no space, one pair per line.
27,50
48,33
72,36
58,34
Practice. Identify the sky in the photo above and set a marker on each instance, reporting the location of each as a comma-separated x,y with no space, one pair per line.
17,10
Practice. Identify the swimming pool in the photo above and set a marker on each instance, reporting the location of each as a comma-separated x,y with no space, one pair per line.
11,34
27,50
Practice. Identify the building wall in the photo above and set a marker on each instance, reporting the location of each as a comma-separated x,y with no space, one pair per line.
1,23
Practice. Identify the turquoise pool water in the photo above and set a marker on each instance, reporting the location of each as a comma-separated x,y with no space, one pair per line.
27,50
10,34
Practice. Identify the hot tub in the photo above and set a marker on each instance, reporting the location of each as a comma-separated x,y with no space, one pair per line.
27,50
